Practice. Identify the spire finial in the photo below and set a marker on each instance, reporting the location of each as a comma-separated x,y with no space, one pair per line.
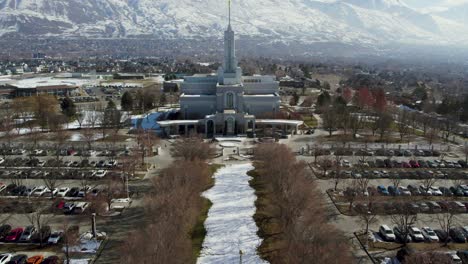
229,3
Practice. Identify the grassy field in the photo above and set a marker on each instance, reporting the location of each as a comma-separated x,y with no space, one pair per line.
268,229
310,121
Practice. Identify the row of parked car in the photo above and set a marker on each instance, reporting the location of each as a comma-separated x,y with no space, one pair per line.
29,234
24,259
43,191
54,163
388,208
61,174
425,234
63,152
378,152
421,190
402,174
416,164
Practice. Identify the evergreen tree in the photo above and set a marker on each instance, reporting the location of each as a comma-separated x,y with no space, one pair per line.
68,107
127,102
323,99
111,105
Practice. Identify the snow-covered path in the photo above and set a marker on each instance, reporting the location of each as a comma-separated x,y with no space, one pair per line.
230,223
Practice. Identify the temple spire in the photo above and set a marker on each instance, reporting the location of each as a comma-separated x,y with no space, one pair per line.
229,3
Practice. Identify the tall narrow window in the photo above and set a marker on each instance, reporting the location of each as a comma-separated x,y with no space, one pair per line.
230,101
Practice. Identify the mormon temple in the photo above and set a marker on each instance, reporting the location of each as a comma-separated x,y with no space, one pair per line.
228,103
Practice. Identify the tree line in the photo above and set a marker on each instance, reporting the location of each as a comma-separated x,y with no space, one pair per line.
291,212
172,209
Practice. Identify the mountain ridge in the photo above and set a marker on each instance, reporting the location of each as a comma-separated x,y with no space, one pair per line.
369,22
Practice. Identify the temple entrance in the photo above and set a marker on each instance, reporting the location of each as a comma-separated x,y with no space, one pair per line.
230,126
210,129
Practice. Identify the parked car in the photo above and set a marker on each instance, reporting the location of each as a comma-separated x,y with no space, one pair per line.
51,260
14,234
39,191
382,190
80,207
404,191
445,191
18,259
458,207
393,191
35,259
55,237
386,233
424,207
457,236
73,192
434,207
27,234
416,234
68,208
62,192
435,191
400,237
414,164
100,173
4,231
43,235
429,234
442,235
414,190
4,258
457,191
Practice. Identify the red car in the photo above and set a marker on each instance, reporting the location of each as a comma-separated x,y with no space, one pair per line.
414,164
406,165
14,234
60,205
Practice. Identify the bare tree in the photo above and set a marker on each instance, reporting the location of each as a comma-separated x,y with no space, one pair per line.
70,239
325,163
40,221
396,181
403,123
428,182
192,148
446,220
428,258
404,220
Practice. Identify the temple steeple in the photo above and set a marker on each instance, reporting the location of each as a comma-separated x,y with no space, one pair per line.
230,61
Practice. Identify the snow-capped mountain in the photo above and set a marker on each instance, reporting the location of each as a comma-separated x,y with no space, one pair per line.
347,21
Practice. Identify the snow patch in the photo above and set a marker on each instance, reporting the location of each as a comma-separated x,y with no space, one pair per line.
230,225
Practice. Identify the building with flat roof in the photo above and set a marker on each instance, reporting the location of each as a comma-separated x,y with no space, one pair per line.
228,103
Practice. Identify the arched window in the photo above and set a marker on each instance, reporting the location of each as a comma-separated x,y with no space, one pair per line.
229,100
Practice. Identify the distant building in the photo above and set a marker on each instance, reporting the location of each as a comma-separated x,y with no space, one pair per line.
129,76
171,86
10,91
290,82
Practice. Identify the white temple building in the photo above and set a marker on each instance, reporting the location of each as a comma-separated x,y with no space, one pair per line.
228,103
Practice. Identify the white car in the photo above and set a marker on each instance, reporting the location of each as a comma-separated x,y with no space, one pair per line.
41,190
111,163
435,191
100,173
345,163
416,234
2,161
30,191
2,186
5,258
386,233
55,237
429,234
41,163
53,192
62,192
